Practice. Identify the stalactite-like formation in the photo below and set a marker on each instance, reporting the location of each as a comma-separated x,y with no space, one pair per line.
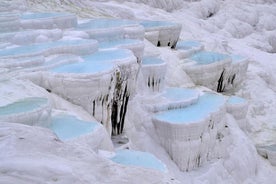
119,104
220,87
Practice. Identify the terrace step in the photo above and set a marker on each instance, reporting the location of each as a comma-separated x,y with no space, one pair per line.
188,48
171,98
154,71
193,135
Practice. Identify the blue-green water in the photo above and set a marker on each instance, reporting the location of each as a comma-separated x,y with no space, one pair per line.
68,127
205,57
24,105
206,104
138,158
98,62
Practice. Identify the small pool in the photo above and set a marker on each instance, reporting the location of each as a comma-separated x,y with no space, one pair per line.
68,127
152,61
105,23
22,106
185,45
205,57
235,100
98,62
138,158
28,16
206,104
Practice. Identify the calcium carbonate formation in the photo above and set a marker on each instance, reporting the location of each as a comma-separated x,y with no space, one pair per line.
219,72
98,69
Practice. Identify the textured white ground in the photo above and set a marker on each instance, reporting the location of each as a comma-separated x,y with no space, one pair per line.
247,28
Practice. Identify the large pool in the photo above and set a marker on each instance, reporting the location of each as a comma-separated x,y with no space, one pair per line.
22,106
138,158
206,104
205,57
68,127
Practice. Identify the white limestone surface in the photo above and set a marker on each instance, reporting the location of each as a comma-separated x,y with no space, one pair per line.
35,155
16,6
22,63
9,22
268,152
152,36
48,20
25,37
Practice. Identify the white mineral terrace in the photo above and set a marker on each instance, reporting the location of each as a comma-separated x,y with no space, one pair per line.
168,32
154,71
93,82
48,20
171,98
98,69
25,37
78,47
112,29
191,134
9,22
216,71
